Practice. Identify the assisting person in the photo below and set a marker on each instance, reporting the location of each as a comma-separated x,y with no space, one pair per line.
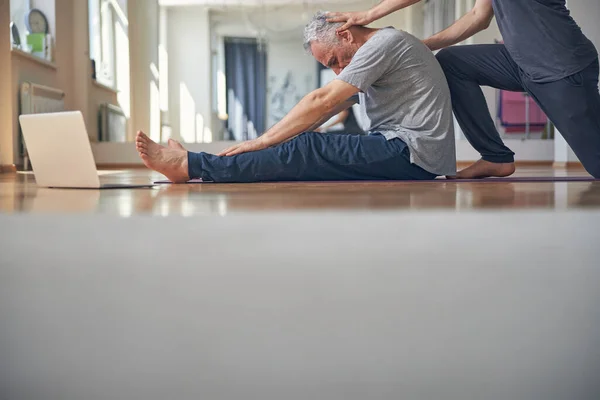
545,54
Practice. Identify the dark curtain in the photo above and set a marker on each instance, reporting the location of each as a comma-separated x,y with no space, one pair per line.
246,82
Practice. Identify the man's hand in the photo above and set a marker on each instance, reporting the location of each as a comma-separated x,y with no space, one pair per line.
245,147
359,18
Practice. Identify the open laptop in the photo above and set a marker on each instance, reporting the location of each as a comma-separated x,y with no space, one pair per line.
60,151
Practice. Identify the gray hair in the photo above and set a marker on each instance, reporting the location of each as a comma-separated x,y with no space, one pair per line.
319,30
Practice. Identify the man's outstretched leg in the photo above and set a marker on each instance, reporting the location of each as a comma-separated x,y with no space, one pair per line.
314,156
309,157
171,161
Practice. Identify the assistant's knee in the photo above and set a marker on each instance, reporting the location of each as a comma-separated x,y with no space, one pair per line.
446,57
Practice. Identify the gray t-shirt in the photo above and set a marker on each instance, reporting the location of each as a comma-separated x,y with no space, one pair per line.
405,95
543,39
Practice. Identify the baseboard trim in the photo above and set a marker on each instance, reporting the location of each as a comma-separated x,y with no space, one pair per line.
521,163
568,165
8,168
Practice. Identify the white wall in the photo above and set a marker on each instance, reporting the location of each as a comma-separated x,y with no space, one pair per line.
287,60
6,99
189,54
143,36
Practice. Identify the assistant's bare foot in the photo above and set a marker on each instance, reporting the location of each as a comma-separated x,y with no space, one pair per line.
172,162
174,144
485,169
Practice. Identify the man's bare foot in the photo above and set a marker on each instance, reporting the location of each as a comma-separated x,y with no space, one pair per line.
174,144
172,162
485,169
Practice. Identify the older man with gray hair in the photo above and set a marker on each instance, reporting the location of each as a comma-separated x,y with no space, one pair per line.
400,86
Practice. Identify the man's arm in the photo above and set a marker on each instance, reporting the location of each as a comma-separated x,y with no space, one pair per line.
314,109
474,21
340,118
341,108
362,18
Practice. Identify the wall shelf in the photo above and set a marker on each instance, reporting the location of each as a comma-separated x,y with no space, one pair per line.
104,87
35,59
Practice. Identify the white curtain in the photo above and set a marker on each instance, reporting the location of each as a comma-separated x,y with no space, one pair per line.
439,14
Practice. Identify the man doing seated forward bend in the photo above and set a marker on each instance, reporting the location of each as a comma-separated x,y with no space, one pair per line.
407,101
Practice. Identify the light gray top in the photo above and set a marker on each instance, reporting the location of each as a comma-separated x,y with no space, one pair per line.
404,94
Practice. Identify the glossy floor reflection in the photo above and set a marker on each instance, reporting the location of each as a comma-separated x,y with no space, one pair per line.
20,194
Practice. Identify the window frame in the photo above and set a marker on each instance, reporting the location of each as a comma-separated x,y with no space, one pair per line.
103,41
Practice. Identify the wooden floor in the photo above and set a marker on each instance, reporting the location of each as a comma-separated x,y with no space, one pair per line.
19,194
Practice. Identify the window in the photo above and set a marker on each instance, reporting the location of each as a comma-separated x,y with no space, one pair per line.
18,10
20,35
108,28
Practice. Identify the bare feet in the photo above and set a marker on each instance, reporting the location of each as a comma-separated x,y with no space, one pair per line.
485,169
170,161
174,144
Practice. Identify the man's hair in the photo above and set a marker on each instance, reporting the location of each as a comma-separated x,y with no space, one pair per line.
319,30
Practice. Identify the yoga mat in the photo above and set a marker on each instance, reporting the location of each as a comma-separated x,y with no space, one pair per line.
509,179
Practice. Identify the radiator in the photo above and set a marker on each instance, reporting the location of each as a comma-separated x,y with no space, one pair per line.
112,124
36,99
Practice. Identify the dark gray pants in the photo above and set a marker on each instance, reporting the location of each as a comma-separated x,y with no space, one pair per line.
572,103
